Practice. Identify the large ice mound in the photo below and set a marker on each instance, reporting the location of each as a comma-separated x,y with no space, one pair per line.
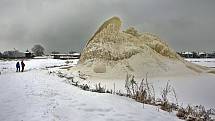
120,52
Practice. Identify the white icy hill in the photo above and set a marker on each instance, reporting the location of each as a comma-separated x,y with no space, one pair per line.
114,53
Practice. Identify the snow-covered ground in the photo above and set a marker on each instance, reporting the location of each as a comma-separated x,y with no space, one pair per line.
208,62
36,95
190,89
193,89
9,66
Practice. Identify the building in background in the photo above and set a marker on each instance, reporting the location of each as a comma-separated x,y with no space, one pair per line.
28,54
187,54
197,54
66,56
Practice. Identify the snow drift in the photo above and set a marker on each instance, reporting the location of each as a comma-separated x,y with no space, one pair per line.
114,53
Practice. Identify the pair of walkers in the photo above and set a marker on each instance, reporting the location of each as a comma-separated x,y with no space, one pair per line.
18,66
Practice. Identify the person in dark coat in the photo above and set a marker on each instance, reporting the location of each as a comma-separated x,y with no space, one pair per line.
17,67
23,65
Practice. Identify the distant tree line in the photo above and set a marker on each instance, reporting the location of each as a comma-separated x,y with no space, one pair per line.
37,50
197,54
12,54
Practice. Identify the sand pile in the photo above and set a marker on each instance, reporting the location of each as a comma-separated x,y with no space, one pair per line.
112,53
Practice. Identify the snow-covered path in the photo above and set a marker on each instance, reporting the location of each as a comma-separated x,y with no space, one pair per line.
36,95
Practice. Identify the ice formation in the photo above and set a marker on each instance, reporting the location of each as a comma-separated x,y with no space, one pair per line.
114,53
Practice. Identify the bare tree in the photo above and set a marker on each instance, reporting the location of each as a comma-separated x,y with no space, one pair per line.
0,54
38,50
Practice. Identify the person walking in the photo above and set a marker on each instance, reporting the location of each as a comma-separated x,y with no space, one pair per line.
17,67
23,65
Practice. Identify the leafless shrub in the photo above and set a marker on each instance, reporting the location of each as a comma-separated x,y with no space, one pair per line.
84,87
195,113
144,92
99,88
167,91
176,98
141,92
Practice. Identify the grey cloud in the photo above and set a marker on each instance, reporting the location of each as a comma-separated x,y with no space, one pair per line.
62,25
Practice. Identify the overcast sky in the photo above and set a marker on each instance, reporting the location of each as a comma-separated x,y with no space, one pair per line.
64,25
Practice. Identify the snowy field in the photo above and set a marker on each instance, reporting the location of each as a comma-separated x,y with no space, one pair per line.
36,95
208,62
196,89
